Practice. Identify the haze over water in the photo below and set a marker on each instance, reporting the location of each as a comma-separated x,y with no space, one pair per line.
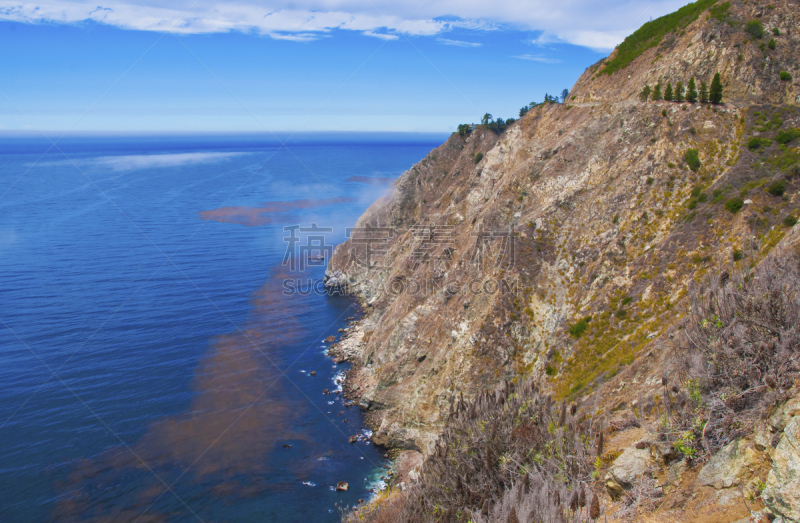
152,368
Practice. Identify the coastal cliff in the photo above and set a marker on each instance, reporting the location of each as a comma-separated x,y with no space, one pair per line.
563,251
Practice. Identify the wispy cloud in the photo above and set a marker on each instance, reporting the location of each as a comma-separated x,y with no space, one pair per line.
538,58
296,37
382,36
459,43
148,161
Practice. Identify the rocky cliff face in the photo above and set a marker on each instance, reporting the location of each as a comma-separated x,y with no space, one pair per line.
563,248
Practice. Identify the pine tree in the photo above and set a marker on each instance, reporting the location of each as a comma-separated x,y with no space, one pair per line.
715,93
703,93
678,96
645,94
668,93
656,93
691,93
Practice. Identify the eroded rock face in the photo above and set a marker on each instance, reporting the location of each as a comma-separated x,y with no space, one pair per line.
782,494
729,466
595,197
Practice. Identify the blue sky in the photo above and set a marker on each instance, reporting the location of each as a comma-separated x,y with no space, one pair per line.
294,66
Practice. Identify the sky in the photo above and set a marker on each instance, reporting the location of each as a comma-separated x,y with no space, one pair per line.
296,66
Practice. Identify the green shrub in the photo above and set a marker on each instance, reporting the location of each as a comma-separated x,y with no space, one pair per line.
737,254
579,327
692,159
784,137
478,158
734,205
754,29
771,44
720,11
777,188
790,221
785,76
755,143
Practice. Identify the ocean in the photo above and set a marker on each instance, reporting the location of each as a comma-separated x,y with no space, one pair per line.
153,365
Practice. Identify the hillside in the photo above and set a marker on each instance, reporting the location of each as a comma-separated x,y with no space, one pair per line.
563,251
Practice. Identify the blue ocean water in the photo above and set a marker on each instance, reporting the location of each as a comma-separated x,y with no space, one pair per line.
152,367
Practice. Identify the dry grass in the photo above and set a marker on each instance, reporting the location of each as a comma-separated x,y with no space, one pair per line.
513,451
742,350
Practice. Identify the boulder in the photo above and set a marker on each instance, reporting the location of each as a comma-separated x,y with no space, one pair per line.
342,485
782,493
330,339
353,439
313,373
728,466
335,281
632,464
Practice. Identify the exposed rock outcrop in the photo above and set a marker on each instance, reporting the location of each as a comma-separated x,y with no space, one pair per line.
728,466
782,493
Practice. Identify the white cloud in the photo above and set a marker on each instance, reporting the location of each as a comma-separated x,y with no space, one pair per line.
599,25
538,58
459,43
382,36
295,37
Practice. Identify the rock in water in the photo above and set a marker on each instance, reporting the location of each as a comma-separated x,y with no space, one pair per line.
335,281
330,339
313,373
353,439
342,485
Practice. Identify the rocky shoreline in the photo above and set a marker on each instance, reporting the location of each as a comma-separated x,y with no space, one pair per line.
405,464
